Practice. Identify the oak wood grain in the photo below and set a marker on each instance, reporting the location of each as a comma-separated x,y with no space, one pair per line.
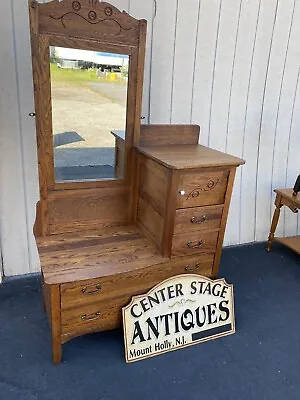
151,220
188,156
198,219
195,242
139,281
160,135
153,184
202,187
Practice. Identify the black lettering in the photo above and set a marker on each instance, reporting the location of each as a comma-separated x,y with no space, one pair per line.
153,328
224,309
193,287
176,322
198,320
211,313
224,290
144,306
166,321
153,300
161,291
178,288
133,314
207,289
214,289
137,333
200,287
171,292
187,325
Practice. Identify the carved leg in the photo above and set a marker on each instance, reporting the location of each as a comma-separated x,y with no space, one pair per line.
274,222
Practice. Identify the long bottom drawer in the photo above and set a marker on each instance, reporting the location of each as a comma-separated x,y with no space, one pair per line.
101,315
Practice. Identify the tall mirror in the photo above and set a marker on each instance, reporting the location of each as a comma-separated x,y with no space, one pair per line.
89,102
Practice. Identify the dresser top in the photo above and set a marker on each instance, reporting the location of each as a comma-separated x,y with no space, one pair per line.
189,156
70,257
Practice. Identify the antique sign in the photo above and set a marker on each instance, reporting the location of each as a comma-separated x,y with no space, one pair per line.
178,312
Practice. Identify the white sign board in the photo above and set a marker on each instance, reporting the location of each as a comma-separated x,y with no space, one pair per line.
178,312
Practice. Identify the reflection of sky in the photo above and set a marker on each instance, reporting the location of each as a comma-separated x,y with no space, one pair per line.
100,53
96,57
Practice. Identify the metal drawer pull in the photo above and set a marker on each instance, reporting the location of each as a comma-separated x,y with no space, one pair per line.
182,192
198,244
90,317
199,220
190,268
84,289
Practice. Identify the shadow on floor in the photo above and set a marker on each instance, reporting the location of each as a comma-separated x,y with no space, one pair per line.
260,362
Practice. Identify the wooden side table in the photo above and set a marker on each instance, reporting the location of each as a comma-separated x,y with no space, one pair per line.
284,197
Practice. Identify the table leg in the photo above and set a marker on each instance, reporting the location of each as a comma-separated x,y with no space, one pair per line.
274,221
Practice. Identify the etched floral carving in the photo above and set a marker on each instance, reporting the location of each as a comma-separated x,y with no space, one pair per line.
92,15
108,11
211,184
76,5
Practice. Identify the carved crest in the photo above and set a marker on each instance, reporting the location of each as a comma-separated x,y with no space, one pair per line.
87,18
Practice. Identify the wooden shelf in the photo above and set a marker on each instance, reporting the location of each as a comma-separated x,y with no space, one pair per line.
292,242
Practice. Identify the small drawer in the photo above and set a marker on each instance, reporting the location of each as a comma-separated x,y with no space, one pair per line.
197,219
206,187
191,243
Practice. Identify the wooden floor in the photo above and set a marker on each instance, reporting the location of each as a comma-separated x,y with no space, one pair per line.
83,255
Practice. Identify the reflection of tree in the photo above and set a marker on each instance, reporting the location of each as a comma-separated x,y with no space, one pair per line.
53,57
124,70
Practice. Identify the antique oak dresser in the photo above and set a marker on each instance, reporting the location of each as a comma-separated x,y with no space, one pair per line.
163,211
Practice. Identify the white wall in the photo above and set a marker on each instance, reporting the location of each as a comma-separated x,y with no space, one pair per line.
231,66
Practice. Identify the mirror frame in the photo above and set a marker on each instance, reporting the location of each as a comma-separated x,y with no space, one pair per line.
70,23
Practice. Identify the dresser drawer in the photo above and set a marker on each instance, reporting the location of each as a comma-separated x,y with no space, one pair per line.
197,219
93,317
195,242
84,318
206,187
107,288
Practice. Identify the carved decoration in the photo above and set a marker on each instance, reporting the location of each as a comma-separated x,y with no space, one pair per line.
75,16
211,184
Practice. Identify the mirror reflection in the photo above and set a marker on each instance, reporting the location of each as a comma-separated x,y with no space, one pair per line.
89,95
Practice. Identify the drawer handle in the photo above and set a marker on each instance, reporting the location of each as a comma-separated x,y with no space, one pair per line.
198,244
86,291
199,220
90,317
190,268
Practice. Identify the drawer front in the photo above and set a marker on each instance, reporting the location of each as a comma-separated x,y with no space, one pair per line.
103,314
206,187
197,219
192,242
79,294
93,317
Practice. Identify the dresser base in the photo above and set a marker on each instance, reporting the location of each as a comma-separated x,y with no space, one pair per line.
89,276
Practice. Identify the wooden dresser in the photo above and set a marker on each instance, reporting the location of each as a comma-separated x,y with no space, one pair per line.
162,213
182,200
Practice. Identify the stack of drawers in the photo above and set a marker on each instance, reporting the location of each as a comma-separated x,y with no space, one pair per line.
199,207
184,210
